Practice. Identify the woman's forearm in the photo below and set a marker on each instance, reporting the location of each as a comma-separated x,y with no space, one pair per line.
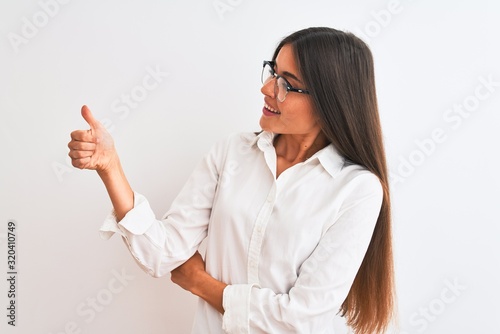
119,190
191,276
210,290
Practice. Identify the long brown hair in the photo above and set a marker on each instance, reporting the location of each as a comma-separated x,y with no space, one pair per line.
337,69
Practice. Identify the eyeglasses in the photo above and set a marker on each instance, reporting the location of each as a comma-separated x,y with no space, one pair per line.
282,86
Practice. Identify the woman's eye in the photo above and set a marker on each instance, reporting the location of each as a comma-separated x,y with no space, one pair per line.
283,85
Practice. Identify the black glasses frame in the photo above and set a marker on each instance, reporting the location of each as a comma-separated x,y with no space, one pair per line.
289,88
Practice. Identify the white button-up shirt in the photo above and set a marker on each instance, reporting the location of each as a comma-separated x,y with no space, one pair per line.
289,247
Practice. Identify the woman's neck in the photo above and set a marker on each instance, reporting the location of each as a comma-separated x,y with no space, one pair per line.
293,149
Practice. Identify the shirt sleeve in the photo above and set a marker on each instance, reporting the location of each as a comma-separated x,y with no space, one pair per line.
324,279
159,246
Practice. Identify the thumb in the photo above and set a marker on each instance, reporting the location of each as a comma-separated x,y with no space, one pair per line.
89,118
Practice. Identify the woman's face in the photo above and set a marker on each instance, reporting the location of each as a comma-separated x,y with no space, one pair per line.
295,115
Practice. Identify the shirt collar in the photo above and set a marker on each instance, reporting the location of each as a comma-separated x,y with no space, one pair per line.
328,157
263,140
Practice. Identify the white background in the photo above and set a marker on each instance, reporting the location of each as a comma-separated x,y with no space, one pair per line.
432,59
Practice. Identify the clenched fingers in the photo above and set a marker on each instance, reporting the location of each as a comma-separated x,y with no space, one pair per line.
83,135
81,146
80,152
80,163
73,154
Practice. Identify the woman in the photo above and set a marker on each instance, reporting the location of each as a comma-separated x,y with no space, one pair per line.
297,217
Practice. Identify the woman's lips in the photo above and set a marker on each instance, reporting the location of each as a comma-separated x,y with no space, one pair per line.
269,111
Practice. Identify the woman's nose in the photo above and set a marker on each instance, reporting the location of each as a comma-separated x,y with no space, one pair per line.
268,88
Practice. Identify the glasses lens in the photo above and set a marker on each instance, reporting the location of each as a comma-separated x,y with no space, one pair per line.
267,74
282,89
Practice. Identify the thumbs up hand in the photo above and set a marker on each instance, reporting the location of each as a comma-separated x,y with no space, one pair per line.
93,148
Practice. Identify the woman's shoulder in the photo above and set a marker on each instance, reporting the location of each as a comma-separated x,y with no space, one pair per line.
359,179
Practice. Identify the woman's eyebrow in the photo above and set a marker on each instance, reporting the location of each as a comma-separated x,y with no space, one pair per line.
291,75
287,74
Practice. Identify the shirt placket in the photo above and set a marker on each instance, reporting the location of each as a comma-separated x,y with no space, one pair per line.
259,229
258,236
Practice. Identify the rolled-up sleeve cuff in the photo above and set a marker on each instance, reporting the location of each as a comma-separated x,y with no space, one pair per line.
236,303
137,221
109,227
